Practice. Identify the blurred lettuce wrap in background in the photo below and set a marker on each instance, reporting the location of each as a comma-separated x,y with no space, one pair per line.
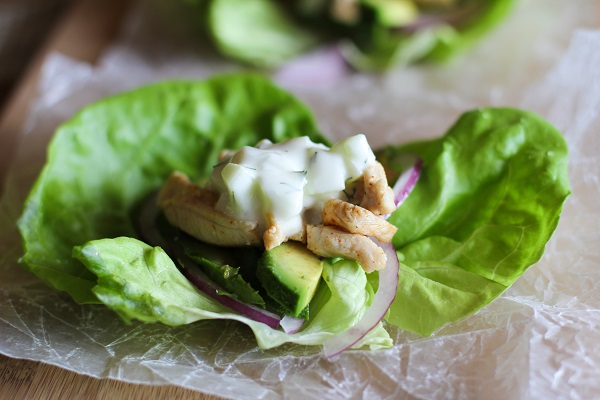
488,199
371,35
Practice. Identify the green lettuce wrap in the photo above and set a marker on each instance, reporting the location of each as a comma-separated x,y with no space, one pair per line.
372,35
488,200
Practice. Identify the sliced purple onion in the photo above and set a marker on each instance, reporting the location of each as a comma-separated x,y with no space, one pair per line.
407,180
203,283
383,299
291,325
323,67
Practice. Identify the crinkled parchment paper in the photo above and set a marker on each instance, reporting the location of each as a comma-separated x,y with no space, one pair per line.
539,340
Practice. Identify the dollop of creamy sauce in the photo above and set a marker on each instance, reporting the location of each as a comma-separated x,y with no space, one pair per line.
288,181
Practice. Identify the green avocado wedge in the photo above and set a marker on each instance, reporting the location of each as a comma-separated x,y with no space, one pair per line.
488,200
290,274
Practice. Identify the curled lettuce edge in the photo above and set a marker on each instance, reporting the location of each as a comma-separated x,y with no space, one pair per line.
488,200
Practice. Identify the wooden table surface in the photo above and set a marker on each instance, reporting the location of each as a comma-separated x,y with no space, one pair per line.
82,34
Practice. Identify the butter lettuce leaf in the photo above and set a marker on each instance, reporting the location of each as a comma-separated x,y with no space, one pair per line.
141,282
488,199
113,153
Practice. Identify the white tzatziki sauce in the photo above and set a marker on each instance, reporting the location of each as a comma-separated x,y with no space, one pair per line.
284,180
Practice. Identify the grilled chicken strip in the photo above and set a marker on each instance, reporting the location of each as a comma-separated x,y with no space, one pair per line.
273,235
374,193
327,241
356,219
191,209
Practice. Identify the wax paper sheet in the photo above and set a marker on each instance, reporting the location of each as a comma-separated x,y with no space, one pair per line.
538,340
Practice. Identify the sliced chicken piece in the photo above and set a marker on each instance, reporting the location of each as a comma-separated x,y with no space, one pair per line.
327,241
273,235
191,209
374,192
356,219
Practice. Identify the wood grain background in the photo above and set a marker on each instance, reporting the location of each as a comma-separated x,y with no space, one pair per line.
31,380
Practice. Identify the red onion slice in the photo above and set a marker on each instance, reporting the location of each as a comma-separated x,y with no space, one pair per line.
383,299
407,180
291,325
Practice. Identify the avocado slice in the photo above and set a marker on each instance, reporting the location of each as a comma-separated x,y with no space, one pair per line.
230,268
290,274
